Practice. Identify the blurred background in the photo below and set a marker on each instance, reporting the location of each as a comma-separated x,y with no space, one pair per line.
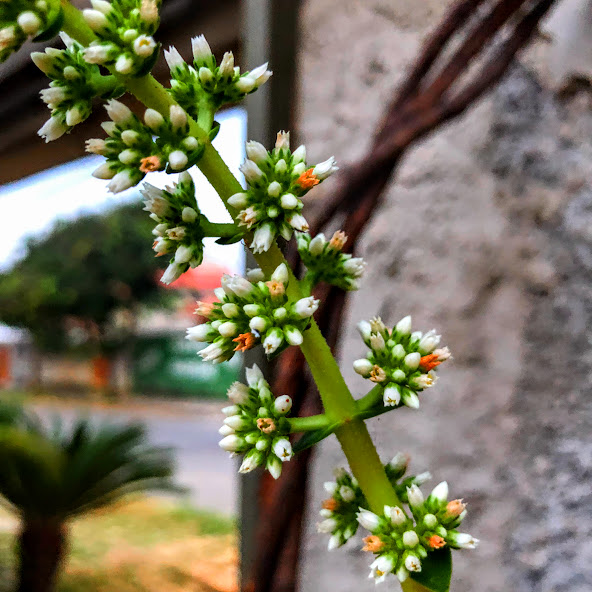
483,233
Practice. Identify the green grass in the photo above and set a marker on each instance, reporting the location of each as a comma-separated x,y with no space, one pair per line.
137,545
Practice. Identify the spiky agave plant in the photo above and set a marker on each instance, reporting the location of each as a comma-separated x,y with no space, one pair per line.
50,474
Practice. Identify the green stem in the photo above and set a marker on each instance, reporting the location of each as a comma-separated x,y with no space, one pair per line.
337,399
220,229
308,424
369,400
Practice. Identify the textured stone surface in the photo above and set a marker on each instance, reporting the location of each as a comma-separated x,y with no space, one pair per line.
486,234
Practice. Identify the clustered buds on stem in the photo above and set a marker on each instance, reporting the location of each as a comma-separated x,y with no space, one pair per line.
131,150
124,30
401,539
401,362
256,425
252,311
341,509
24,19
74,84
325,262
178,227
207,84
271,205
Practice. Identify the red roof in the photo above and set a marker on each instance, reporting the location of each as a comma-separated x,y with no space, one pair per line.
204,278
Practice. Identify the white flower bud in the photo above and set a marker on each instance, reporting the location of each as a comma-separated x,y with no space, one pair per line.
377,342
317,244
368,520
251,171
412,563
280,274
298,222
283,449
258,324
462,540
403,327
273,340
205,75
274,466
410,538
238,200
412,360
430,521
97,54
96,146
256,152
429,341
153,119
410,399
245,84
347,493
118,112
306,307
261,74
172,272
254,375
395,515
122,181
183,254
354,266
282,140
29,22
178,117
262,239
128,156
42,60
299,155
95,19
52,129
232,443
252,310
282,404
101,6
293,335
251,462
334,542
330,487
201,49
226,431
124,64
74,116
103,172
415,496
325,169
391,396
230,310
230,410
289,202
227,65
199,333
365,330
228,329
327,526
363,367
281,167
178,160
440,493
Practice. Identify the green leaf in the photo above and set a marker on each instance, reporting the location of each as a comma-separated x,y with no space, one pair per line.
53,28
311,438
436,571
214,131
229,240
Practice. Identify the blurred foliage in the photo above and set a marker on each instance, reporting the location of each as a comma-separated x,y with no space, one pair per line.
80,285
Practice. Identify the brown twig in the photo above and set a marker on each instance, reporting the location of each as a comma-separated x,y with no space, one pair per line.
437,89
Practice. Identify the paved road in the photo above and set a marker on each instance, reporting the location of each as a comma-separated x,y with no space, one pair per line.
190,428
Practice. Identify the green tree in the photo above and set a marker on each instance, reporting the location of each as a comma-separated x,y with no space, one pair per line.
72,282
51,474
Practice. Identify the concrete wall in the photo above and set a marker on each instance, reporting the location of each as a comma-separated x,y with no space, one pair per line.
486,235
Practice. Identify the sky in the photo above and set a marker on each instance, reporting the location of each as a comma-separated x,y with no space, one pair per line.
32,205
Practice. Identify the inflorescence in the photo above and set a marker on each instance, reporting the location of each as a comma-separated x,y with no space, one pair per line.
124,30
133,148
249,312
271,205
207,85
400,361
178,227
74,84
27,19
325,262
256,425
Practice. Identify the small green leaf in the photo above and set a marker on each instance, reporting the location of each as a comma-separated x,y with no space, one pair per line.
229,240
53,29
436,571
214,131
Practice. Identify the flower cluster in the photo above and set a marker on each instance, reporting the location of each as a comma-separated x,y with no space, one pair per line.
178,227
277,180
74,84
207,84
325,261
400,540
124,30
400,361
23,19
256,425
132,150
340,510
252,311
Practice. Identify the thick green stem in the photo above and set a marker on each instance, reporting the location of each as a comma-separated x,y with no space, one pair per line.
308,424
337,399
221,229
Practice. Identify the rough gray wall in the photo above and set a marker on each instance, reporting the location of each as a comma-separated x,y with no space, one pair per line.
486,235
